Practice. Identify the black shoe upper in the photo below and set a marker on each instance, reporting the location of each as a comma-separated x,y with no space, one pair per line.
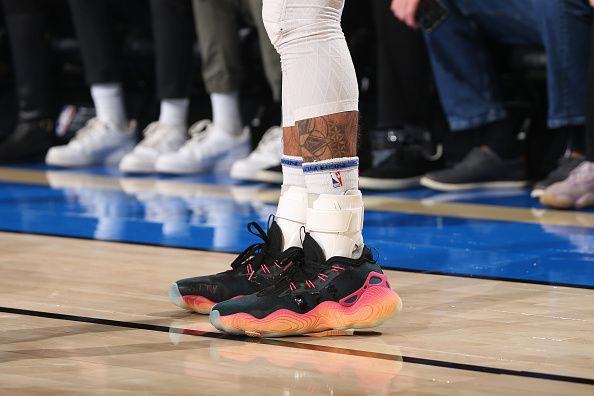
481,165
257,267
307,284
412,154
29,142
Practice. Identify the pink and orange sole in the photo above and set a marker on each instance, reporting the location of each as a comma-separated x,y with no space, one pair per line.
199,304
374,306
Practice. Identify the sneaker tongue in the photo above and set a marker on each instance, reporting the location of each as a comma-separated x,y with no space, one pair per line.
275,239
312,251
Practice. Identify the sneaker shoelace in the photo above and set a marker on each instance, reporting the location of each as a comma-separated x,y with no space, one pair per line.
93,133
90,132
255,256
199,142
157,135
303,271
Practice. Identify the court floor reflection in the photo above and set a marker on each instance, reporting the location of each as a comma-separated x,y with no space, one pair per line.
305,370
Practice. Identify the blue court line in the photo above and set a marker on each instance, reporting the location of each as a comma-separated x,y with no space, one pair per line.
437,244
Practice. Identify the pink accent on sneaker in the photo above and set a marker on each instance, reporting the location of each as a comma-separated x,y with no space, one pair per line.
310,284
370,309
251,271
288,266
198,303
366,285
277,264
292,286
265,269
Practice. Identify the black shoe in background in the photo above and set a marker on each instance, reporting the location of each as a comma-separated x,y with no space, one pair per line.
29,142
412,155
560,173
481,168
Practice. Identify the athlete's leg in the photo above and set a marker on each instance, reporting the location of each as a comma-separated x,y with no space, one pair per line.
339,284
320,98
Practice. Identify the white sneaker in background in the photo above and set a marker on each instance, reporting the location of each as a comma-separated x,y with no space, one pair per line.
268,154
158,139
208,150
97,143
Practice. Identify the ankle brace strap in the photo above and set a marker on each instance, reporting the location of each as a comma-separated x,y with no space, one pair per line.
292,204
336,213
334,221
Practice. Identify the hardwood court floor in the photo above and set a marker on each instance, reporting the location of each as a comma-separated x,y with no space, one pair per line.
89,317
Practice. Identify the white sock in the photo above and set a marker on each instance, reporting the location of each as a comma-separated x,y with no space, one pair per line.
292,171
174,112
226,114
109,104
334,176
292,205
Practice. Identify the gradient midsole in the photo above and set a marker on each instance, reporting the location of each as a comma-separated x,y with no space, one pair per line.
375,305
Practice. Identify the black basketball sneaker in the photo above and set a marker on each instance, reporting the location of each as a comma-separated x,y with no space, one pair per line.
318,295
259,266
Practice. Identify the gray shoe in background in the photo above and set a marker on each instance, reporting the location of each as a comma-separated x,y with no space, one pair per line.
481,168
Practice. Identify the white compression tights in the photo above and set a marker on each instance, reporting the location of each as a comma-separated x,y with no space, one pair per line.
318,73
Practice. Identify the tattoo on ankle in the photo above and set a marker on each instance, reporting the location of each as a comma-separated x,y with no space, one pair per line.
331,136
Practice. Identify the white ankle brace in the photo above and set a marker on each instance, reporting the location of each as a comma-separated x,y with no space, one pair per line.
336,223
291,213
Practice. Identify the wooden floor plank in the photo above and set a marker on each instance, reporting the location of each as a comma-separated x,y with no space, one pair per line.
504,325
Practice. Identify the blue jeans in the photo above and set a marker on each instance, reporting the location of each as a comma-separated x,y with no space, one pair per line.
464,73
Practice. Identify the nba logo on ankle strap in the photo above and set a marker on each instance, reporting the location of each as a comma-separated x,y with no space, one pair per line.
336,179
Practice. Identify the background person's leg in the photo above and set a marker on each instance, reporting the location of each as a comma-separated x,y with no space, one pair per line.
26,21
94,30
470,94
565,27
270,58
172,28
562,28
590,104
464,73
173,36
222,71
29,44
404,89
410,122
225,140
108,137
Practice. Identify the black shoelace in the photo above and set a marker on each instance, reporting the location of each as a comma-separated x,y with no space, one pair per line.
256,253
303,271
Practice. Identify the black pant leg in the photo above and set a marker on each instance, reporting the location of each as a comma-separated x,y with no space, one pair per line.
404,72
94,29
29,37
590,104
173,32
